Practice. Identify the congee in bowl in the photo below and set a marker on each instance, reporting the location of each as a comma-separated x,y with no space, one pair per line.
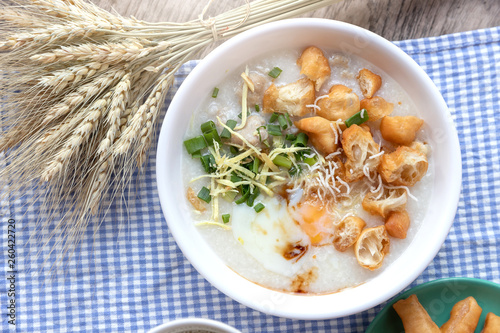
308,169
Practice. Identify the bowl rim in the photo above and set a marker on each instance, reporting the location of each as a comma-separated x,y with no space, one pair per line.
196,259
187,322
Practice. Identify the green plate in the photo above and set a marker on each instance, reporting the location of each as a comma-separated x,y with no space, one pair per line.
438,297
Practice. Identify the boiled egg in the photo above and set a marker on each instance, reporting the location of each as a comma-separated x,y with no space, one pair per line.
315,221
272,236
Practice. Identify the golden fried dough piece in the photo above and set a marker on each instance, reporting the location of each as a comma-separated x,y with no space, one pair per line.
320,132
341,103
400,130
359,147
403,167
371,247
397,224
464,317
391,200
366,128
291,98
415,318
377,107
314,65
421,147
347,232
369,82
491,324
340,169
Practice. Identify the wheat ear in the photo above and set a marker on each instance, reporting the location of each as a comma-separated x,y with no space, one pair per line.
100,183
135,131
54,33
128,50
150,120
117,108
84,93
19,18
62,78
80,135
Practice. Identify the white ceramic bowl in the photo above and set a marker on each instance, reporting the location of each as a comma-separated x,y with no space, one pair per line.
326,34
194,325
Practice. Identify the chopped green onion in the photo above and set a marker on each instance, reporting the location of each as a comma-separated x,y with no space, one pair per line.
195,144
301,154
273,130
258,132
234,150
291,137
274,117
357,119
204,194
229,196
257,108
301,140
235,178
266,143
212,136
243,198
282,121
275,72
253,196
225,134
208,162
231,123
207,127
283,161
244,188
215,92
259,207
287,116
225,218
311,160
255,165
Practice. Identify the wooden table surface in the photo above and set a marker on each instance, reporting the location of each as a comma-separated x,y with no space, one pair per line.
392,19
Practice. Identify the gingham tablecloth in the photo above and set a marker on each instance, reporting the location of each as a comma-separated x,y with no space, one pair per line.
131,276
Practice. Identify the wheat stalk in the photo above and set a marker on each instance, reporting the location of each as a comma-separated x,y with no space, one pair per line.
82,90
80,135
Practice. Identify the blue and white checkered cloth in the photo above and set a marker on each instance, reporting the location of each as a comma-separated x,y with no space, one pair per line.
131,276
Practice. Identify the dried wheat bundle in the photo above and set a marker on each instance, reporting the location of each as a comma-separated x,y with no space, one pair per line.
81,93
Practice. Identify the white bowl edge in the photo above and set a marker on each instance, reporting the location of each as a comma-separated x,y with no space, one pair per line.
180,325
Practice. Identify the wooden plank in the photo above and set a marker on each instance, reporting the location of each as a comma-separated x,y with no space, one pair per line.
392,19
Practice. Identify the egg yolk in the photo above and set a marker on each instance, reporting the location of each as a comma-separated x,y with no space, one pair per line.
315,222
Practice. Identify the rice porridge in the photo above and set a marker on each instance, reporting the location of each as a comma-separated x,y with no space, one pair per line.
320,184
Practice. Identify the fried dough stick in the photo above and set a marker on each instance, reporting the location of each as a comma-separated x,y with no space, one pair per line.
464,317
491,324
415,318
